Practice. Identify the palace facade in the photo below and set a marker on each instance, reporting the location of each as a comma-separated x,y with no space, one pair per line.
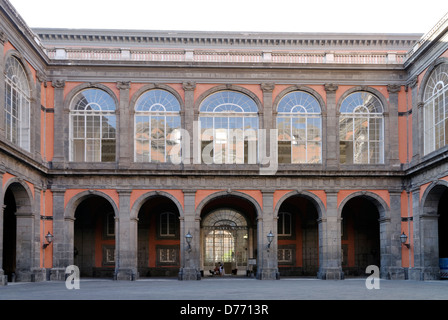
134,154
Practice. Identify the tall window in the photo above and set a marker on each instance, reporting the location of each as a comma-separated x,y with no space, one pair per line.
17,104
284,224
299,129
361,132
157,116
229,128
436,110
93,127
167,224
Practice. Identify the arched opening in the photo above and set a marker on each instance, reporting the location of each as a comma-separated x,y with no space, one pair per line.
298,237
9,235
158,248
442,211
360,236
17,233
228,231
94,237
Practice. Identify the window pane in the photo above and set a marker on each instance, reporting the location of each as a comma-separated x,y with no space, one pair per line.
284,152
108,150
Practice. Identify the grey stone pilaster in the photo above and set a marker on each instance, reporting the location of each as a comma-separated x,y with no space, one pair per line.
3,278
124,139
190,254
60,139
330,124
390,231
3,39
268,114
188,118
267,260
330,254
415,121
392,137
126,239
63,237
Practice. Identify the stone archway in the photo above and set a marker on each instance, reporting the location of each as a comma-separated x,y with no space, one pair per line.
18,232
298,235
158,236
431,227
228,235
360,236
94,237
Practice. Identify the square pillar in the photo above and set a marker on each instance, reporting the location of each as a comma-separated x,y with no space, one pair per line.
126,240
267,260
190,253
330,253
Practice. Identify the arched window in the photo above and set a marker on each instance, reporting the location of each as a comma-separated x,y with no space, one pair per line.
299,127
157,116
361,129
229,128
436,110
17,104
93,127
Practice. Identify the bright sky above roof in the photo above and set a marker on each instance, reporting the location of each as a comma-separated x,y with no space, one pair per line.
353,16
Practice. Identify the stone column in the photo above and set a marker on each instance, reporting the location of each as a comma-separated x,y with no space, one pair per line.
188,122
124,141
59,127
63,232
3,278
190,254
393,134
37,273
267,260
390,231
36,115
415,121
126,239
330,126
269,155
330,254
3,40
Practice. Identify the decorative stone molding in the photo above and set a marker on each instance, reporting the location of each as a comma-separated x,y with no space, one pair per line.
123,85
331,87
59,84
393,88
41,77
412,83
189,85
267,87
3,37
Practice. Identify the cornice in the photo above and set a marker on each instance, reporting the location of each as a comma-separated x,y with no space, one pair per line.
238,40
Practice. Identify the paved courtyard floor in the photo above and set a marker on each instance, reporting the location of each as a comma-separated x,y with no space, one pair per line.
226,298
228,289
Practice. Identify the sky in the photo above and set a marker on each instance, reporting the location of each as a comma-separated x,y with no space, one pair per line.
352,16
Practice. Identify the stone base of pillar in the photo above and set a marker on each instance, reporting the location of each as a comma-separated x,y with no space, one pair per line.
38,275
3,278
189,274
330,274
428,273
57,274
126,274
392,273
268,274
